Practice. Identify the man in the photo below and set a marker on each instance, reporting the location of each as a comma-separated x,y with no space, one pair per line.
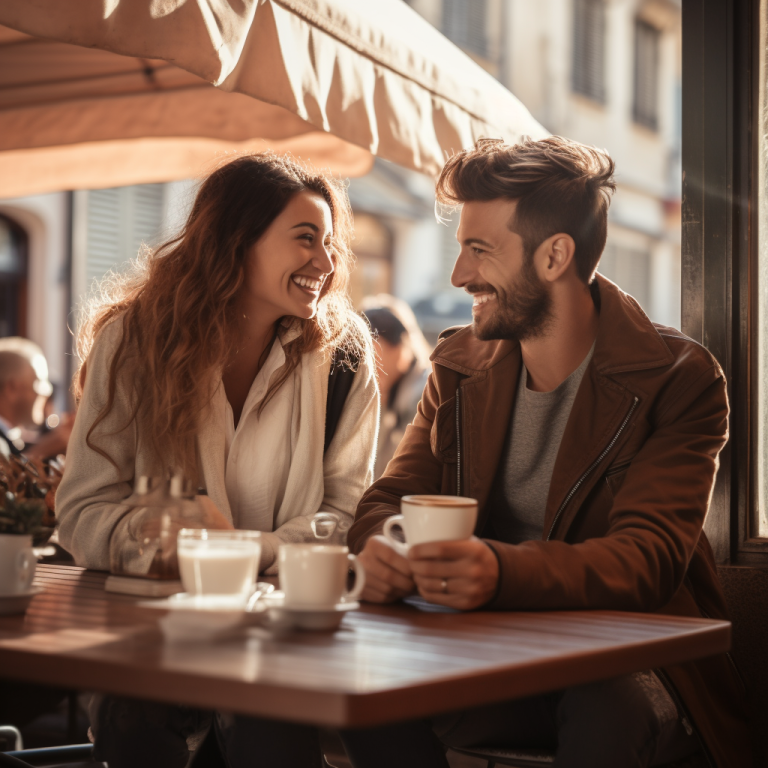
22,389
589,437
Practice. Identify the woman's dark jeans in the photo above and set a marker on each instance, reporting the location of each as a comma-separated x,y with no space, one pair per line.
130,733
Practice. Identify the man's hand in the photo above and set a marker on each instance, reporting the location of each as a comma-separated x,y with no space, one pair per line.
457,574
387,574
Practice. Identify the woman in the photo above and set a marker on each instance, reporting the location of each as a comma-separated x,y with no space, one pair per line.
213,359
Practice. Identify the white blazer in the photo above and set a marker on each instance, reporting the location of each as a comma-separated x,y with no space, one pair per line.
90,502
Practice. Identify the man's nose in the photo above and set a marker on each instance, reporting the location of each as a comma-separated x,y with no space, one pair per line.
462,271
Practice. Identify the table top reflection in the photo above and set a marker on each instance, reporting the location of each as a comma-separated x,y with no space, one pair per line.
384,663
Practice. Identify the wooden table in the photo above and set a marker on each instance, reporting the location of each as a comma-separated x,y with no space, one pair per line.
385,663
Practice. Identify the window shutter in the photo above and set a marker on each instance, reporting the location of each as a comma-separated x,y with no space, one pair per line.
588,77
119,221
646,95
464,23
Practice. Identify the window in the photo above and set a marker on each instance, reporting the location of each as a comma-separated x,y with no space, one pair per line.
760,419
589,49
13,278
646,86
465,23
630,269
724,239
118,221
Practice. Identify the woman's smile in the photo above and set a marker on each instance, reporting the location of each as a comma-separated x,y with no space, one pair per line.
310,285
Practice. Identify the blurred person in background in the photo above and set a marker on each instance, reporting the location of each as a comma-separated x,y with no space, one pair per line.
404,366
25,392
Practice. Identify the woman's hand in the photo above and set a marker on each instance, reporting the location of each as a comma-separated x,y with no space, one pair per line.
165,528
211,516
167,525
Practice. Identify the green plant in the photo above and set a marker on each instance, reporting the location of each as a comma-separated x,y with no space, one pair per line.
21,516
27,492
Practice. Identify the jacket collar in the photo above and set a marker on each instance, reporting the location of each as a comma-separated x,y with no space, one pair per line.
626,339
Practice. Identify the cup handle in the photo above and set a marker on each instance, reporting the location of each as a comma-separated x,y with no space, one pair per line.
357,590
25,569
400,547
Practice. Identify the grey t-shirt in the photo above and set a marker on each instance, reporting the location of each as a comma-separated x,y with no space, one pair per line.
519,496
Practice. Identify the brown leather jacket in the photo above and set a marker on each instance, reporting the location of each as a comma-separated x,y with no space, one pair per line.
629,492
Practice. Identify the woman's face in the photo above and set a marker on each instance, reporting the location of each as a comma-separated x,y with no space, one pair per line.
287,267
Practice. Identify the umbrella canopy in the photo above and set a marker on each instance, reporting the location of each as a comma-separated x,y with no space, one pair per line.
98,93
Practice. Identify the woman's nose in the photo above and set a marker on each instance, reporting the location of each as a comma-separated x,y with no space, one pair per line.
324,261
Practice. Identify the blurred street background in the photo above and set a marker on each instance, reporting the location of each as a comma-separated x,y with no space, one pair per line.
603,72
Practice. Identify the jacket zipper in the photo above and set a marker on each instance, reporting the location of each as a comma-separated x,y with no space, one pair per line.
458,441
685,718
589,471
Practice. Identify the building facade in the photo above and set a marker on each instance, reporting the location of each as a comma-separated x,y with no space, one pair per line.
604,72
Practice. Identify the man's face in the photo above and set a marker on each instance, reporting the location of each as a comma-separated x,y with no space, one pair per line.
510,300
20,396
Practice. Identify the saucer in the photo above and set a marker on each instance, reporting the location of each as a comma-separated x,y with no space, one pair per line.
198,618
18,603
311,617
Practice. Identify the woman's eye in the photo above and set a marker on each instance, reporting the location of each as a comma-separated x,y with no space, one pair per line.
309,238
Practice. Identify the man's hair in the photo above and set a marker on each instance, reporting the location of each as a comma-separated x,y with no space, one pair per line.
559,185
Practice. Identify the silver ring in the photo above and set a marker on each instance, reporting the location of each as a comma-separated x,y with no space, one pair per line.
444,586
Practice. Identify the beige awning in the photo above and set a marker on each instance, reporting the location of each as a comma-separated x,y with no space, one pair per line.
97,93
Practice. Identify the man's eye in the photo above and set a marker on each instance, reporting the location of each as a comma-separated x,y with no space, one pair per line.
477,251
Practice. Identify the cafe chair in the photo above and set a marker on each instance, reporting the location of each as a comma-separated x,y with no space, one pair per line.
746,592
11,734
70,756
535,758
520,758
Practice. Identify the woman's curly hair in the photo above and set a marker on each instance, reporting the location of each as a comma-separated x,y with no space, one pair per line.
177,303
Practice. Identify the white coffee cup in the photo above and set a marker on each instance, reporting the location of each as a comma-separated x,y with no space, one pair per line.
432,518
222,564
17,564
315,575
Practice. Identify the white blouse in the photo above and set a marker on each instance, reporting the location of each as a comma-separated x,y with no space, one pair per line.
257,453
270,474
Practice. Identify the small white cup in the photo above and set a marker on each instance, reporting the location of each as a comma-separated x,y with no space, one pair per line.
221,564
315,575
17,564
432,518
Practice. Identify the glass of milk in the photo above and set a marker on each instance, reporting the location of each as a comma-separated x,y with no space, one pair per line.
220,564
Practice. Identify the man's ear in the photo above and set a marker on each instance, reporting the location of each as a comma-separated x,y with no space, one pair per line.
555,256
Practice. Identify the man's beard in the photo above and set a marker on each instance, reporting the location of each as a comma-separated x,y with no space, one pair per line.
524,312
